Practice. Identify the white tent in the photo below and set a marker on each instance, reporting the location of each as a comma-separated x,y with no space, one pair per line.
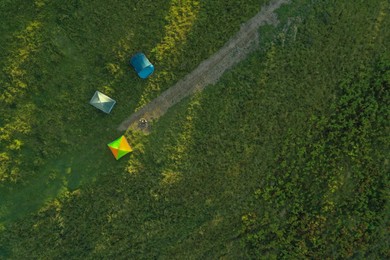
102,102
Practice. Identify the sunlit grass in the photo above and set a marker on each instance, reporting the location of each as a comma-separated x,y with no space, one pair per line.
40,3
179,152
115,68
11,138
181,18
29,41
383,12
17,123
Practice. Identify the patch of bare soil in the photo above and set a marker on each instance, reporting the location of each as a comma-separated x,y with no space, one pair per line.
209,71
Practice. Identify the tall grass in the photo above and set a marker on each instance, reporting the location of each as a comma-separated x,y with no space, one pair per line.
51,138
229,172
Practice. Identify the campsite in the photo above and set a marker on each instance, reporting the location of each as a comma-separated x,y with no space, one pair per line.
192,129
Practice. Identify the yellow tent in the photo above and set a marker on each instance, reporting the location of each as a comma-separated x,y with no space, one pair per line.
120,147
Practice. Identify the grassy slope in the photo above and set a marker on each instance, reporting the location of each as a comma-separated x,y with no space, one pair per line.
189,183
74,49
55,55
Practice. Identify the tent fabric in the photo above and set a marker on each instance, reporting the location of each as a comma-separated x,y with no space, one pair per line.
142,65
120,147
102,102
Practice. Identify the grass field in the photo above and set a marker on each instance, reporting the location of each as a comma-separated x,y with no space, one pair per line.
73,50
285,157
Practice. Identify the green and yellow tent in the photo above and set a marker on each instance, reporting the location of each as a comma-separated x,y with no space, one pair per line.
120,147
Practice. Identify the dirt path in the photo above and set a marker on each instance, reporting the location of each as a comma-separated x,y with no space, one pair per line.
210,70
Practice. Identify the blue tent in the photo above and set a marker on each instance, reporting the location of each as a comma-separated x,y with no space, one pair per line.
142,65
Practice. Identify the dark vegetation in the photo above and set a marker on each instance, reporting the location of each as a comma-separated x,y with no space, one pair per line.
328,193
286,157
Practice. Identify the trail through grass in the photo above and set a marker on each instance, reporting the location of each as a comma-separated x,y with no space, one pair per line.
209,71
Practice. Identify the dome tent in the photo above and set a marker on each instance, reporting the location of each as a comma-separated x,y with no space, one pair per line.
142,65
102,102
120,147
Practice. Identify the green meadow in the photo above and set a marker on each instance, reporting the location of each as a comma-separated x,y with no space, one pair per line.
286,157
